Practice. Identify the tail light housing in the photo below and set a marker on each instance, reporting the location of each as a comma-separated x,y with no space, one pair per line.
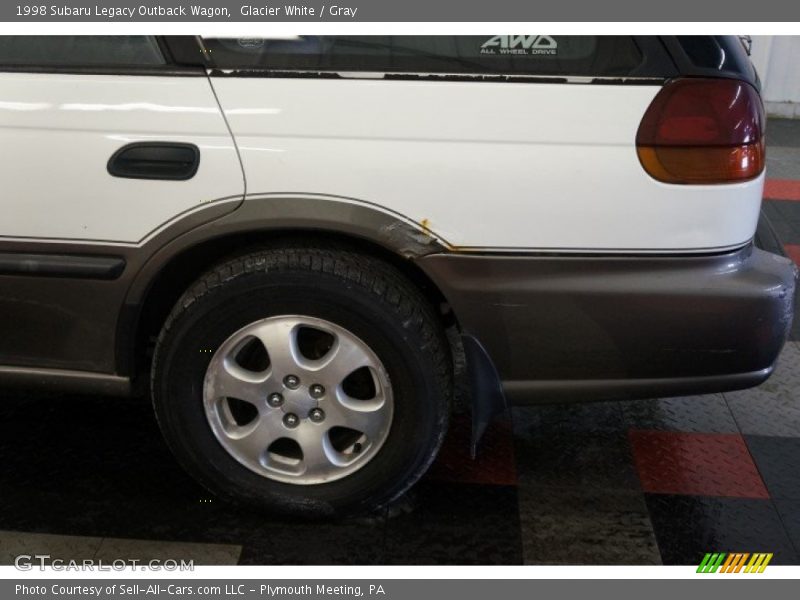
703,131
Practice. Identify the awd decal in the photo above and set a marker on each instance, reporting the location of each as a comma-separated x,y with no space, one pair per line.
250,43
734,562
528,45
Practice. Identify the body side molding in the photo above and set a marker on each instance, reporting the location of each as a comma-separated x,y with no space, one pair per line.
585,390
64,380
61,265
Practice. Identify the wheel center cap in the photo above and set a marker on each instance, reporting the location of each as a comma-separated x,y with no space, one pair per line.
298,401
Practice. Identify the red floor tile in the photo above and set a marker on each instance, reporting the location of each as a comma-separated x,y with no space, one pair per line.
696,464
782,189
494,463
793,250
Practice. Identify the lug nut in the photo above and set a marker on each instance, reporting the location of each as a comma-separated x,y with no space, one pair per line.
316,390
291,420
317,415
275,400
291,381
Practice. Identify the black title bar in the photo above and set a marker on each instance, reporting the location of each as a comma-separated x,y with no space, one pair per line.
715,11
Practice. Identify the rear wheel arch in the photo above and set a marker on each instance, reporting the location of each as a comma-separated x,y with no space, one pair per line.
154,297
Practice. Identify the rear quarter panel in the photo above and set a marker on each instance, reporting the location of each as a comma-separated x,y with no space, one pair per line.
482,165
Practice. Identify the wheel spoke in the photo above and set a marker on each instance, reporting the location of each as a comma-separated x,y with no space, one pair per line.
318,454
229,380
280,340
344,358
252,442
366,416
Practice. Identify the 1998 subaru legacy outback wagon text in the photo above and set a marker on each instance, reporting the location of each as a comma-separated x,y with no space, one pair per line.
274,234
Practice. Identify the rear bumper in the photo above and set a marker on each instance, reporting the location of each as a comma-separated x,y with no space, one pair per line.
593,327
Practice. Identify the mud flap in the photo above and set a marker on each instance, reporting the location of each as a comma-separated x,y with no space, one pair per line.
488,399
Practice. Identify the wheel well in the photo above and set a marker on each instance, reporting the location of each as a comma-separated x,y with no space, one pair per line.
176,277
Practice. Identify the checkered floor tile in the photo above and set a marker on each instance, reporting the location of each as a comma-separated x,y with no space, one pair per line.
646,482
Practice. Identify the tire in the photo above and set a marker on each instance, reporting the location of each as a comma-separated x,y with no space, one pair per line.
356,304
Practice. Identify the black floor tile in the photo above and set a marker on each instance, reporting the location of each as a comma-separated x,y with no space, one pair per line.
763,412
115,516
266,539
778,212
573,445
350,542
591,460
549,419
789,511
456,524
773,408
687,527
104,470
94,446
778,461
787,211
577,527
794,332
700,414
771,209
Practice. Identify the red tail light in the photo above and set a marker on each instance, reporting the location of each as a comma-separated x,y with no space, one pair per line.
703,131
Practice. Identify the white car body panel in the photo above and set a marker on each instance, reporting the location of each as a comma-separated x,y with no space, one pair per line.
59,132
482,165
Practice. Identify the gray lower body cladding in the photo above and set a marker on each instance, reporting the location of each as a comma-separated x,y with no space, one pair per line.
593,327
552,326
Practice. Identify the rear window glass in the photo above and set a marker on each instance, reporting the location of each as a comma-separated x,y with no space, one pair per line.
486,54
79,50
721,53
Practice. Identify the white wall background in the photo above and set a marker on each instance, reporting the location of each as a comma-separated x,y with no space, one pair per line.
777,58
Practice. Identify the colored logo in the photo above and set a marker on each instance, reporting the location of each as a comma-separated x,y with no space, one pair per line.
734,562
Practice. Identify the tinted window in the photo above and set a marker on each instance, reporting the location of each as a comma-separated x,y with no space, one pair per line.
499,54
721,53
105,50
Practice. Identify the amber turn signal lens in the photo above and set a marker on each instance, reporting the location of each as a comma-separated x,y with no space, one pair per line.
703,165
703,131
